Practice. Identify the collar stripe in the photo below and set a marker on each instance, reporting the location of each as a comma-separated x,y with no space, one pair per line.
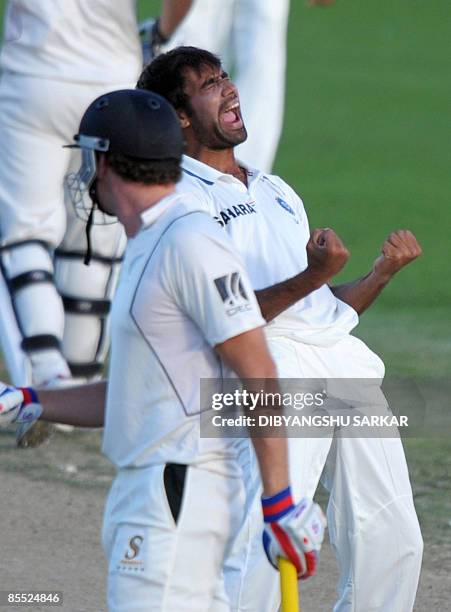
198,177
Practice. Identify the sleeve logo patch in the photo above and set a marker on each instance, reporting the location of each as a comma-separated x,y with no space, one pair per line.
233,293
286,207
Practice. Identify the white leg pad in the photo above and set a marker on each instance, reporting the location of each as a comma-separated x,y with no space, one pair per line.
27,269
87,292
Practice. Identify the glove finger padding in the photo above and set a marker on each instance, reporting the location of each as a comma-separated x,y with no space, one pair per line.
11,400
20,406
3,388
297,536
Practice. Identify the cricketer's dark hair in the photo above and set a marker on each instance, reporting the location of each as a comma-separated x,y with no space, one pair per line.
149,172
165,75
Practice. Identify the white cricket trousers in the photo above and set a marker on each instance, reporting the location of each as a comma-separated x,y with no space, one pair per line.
38,117
373,527
250,37
166,537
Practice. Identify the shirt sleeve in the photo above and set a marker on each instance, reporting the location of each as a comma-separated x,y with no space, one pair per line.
299,204
208,281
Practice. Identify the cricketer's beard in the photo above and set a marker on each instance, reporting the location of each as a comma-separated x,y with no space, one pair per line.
214,137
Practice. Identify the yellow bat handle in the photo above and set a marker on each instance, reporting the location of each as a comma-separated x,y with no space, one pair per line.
288,586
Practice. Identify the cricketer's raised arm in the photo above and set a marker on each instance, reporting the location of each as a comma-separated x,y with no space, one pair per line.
399,249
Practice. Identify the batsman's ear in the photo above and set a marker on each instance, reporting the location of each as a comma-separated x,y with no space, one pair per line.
102,165
184,119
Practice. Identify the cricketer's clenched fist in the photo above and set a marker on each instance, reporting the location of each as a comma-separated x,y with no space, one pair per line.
326,255
398,250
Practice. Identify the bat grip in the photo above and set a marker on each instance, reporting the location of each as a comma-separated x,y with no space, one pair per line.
288,586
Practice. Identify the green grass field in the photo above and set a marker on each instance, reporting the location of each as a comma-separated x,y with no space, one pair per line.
366,144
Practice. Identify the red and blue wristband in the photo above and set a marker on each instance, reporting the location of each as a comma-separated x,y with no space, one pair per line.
29,395
277,506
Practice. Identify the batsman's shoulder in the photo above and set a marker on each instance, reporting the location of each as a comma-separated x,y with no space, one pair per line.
207,231
194,226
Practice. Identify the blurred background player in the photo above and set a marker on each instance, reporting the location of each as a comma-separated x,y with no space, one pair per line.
250,38
56,57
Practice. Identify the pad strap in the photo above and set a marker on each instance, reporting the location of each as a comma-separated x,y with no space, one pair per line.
29,278
85,370
80,255
99,308
21,243
40,342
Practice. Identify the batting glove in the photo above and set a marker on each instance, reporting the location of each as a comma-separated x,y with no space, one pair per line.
294,532
19,405
151,39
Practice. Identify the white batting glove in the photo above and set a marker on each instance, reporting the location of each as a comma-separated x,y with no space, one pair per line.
294,532
19,405
151,39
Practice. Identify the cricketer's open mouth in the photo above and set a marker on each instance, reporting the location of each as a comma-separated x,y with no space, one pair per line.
231,116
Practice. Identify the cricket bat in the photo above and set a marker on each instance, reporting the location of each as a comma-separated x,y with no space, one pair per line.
288,586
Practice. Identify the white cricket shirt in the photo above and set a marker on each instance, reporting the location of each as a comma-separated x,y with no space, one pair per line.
85,41
182,290
269,228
